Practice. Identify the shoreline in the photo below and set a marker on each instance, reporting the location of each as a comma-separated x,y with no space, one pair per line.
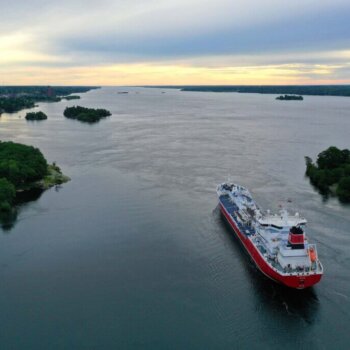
54,177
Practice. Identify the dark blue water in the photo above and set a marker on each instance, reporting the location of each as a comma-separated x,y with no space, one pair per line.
133,253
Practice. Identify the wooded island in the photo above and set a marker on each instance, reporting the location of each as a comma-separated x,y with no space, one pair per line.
86,115
331,173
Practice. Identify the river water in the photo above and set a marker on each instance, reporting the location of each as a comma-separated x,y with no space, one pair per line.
132,253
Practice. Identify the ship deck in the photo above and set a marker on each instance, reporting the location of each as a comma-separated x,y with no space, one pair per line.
250,233
232,209
245,219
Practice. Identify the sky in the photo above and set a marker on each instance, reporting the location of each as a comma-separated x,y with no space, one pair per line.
174,42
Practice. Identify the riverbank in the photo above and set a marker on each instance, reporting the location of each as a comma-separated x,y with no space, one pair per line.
16,98
23,168
54,177
315,90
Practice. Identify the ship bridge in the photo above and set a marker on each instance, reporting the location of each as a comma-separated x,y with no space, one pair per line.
283,220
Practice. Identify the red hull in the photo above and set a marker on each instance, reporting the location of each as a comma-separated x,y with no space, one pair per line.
299,282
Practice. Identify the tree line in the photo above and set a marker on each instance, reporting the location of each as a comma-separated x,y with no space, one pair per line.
331,173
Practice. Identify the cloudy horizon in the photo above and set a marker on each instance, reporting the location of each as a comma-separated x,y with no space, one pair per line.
174,43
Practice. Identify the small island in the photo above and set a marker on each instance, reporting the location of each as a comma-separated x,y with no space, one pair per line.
86,115
23,168
331,173
71,97
36,116
290,98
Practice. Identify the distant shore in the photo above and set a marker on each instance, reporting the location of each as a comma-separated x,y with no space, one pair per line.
315,90
15,98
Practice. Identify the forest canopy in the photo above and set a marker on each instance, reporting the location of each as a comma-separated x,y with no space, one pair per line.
16,98
19,166
87,115
36,116
331,173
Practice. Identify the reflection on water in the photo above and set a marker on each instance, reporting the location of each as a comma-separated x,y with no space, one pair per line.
8,220
324,194
130,254
28,196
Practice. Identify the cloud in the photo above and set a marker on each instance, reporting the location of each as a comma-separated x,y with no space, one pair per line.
202,34
322,31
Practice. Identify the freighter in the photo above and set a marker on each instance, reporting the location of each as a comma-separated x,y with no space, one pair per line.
276,242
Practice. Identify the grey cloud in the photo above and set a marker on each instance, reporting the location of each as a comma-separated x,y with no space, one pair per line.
97,32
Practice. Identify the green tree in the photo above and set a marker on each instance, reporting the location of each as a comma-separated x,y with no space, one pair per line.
36,116
333,168
7,194
343,190
21,164
332,158
87,115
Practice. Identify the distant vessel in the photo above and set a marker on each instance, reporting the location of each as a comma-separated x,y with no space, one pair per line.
276,242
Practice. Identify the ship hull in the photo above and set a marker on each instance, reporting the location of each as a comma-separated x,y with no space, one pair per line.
293,281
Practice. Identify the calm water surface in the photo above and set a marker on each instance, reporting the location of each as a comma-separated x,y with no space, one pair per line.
133,253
